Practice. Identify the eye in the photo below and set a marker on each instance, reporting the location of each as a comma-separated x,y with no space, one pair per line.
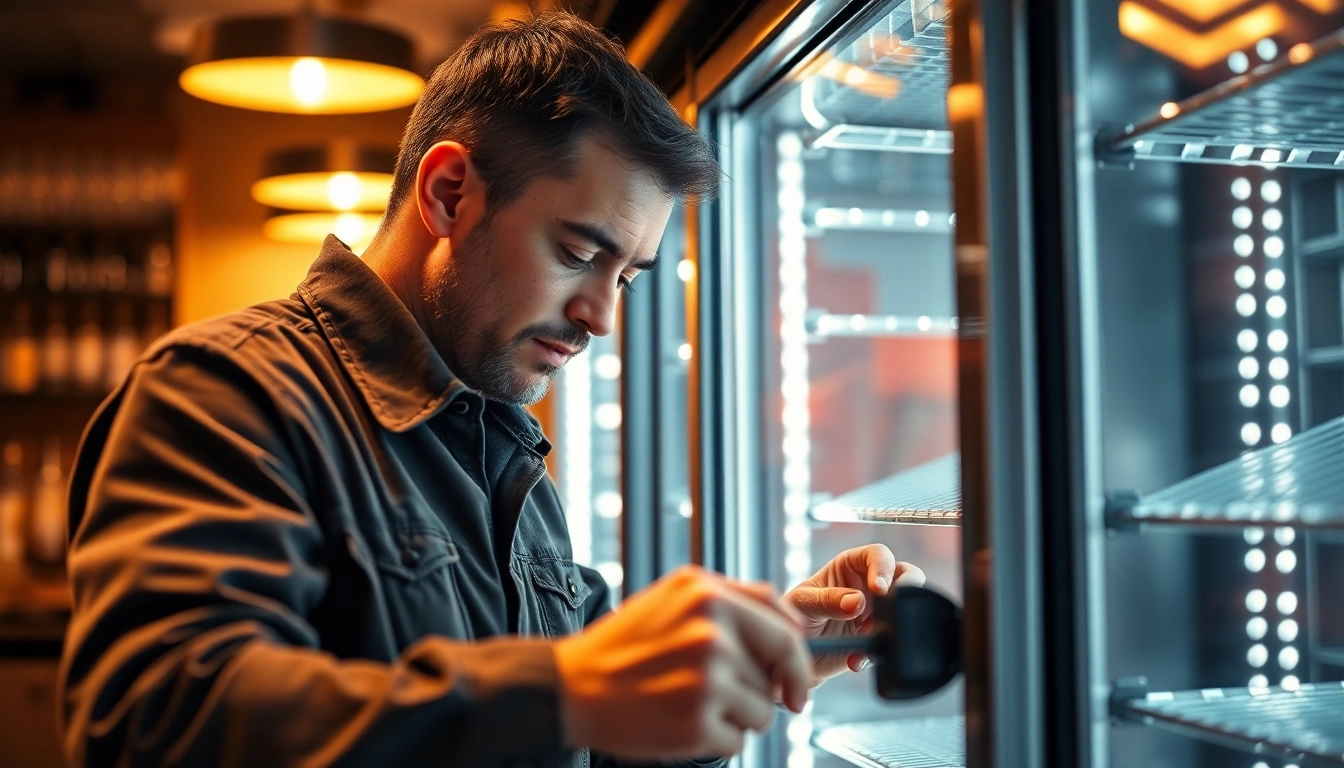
626,284
573,259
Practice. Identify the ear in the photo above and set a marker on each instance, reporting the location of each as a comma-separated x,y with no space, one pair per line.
443,182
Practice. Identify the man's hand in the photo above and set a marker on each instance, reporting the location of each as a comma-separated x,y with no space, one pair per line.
683,669
838,600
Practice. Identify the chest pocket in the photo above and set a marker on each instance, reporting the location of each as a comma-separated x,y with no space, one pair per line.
560,591
416,570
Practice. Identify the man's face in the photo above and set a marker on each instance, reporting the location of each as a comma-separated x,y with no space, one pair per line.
524,292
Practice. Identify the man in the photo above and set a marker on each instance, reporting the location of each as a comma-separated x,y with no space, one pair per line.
318,530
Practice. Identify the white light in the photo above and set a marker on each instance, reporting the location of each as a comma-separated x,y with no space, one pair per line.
1242,217
1238,62
1280,433
1241,188
1272,219
1255,600
924,322
350,227
921,218
1246,305
1279,397
1270,191
1274,279
308,81
1278,368
1254,560
1273,246
612,573
686,270
789,144
1290,683
800,730
607,416
800,756
1287,603
1288,630
1250,433
1277,340
888,218
1257,627
1271,155
1258,681
1243,245
1245,276
1257,655
1276,306
1249,367
344,190
1247,340
684,351
797,535
797,562
608,505
686,509
1285,536
1253,536
608,366
1285,561
856,216
1250,395
1267,49
951,219
577,471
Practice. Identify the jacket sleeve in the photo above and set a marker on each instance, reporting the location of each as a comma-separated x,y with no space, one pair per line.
194,561
598,604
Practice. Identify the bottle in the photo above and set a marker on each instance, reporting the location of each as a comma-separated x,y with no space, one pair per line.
123,345
112,268
57,265
46,526
89,351
56,353
11,270
12,502
21,353
159,269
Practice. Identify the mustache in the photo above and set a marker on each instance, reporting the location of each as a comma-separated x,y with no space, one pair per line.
568,335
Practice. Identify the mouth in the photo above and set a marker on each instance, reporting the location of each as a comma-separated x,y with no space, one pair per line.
556,354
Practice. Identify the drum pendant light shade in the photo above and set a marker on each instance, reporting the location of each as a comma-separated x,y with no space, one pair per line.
302,64
354,229
337,177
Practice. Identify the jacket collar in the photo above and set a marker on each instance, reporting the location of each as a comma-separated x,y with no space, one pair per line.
401,376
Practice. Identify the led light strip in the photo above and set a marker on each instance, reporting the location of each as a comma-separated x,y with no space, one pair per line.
577,393
794,391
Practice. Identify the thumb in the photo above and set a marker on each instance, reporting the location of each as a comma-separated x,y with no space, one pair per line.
828,602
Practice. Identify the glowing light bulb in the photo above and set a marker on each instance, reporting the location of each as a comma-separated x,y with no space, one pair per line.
308,81
344,191
350,228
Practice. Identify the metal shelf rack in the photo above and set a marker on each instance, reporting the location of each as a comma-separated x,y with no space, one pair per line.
1289,113
1297,483
929,742
929,494
1305,724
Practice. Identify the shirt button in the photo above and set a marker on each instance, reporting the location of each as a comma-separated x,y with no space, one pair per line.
409,557
460,407
573,588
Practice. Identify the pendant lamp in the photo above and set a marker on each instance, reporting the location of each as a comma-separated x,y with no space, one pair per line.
340,176
305,64
354,229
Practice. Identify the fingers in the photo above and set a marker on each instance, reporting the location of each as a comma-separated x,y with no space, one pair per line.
908,575
776,643
835,603
748,708
766,594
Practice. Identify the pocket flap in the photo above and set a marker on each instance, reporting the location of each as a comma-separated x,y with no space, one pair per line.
562,578
418,553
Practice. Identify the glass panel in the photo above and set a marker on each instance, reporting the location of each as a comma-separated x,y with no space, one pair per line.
848,184
673,449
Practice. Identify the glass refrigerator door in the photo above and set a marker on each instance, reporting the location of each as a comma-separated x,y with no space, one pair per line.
828,352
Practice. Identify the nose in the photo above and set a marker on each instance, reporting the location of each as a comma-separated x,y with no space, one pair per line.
594,309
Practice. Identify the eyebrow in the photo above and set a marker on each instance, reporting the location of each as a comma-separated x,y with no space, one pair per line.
599,237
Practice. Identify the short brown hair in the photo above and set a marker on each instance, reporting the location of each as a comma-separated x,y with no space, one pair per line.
519,95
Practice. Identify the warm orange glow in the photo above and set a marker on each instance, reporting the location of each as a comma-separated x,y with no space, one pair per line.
876,85
1170,110
302,85
965,101
1321,6
344,191
354,229
1300,53
1203,10
1199,50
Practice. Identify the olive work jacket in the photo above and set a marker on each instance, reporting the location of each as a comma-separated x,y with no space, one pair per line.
298,539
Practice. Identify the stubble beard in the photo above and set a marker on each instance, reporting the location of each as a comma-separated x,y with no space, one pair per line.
480,358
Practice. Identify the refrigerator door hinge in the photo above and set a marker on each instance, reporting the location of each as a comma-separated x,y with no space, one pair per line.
1123,691
1109,158
1120,512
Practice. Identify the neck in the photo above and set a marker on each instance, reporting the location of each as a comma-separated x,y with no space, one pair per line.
398,254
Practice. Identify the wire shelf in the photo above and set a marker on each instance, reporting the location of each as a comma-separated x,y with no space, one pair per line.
1288,113
1296,724
906,52
929,742
929,494
1297,483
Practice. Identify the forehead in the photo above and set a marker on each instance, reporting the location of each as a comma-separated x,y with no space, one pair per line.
605,189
